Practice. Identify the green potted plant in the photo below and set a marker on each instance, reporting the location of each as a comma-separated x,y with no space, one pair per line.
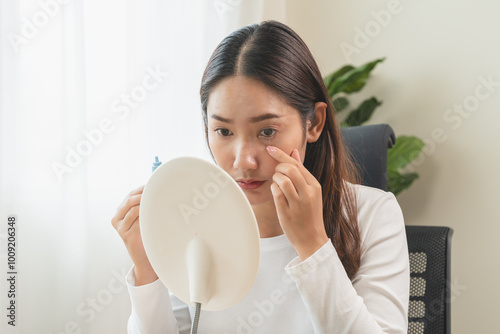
349,79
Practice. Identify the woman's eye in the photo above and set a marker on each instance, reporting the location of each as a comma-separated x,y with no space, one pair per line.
268,133
223,132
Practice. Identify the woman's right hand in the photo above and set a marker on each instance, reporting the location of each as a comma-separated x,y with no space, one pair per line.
126,222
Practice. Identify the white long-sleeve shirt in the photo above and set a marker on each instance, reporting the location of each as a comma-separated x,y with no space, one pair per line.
313,296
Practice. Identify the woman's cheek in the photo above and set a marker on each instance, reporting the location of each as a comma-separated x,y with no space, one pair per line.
216,149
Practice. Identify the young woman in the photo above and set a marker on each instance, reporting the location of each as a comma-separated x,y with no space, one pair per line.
334,257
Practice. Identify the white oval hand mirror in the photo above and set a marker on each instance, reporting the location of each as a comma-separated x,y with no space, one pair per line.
200,233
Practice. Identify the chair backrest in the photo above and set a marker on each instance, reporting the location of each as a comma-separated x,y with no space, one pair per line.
429,246
367,145
430,288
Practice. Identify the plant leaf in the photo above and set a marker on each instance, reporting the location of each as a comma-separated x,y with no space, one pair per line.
340,103
335,75
397,182
362,113
406,149
353,80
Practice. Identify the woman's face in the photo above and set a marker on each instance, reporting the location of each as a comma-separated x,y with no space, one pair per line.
244,116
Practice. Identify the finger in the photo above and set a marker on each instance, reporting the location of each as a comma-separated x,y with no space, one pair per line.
134,227
128,221
125,206
279,198
295,176
136,191
281,156
287,187
296,155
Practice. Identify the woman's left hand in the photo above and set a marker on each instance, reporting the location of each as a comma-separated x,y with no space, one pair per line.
298,200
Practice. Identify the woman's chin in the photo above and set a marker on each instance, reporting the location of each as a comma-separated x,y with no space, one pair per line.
258,199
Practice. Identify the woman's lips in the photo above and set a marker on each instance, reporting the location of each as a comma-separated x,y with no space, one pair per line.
250,185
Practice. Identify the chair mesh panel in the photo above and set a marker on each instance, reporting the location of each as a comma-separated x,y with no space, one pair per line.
429,290
417,287
416,327
418,262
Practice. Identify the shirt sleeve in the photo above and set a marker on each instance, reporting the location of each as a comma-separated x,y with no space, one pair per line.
154,310
376,300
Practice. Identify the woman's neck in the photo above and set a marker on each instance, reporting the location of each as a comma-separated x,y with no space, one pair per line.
267,220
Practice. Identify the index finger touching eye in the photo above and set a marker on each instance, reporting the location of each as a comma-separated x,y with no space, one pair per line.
294,159
281,156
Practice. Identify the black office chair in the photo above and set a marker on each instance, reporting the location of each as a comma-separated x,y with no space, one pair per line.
429,246
368,146
430,290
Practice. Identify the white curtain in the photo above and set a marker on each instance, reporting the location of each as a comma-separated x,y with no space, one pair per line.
90,92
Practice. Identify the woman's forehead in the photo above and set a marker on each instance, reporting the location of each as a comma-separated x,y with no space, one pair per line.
246,99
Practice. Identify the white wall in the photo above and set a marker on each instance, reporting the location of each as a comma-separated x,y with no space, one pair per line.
436,54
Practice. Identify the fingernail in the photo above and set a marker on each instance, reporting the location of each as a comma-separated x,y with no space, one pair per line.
271,149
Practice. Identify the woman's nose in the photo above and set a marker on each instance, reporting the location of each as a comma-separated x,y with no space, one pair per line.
245,157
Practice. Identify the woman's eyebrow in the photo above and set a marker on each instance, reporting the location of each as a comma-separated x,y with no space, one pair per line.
255,119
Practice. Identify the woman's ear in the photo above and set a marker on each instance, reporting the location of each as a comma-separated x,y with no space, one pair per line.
314,130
